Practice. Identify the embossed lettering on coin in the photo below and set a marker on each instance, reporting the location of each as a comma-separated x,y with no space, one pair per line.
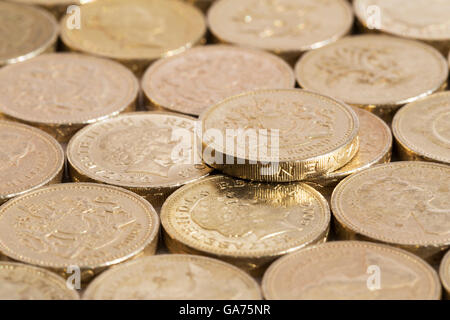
340,270
174,277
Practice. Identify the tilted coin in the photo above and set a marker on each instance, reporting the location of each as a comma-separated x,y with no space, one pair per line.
286,27
174,277
135,32
375,145
444,272
279,135
87,225
29,159
245,223
150,153
193,81
62,92
351,270
23,282
426,20
25,32
56,7
375,72
404,204
422,129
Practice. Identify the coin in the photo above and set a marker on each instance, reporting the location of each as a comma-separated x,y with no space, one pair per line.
444,272
150,153
375,72
422,129
77,224
426,20
22,282
192,81
348,270
62,92
56,7
245,223
135,32
286,27
404,204
29,159
279,135
375,144
25,32
174,277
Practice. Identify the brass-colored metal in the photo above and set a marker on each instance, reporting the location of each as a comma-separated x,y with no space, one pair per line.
174,277
29,159
26,32
404,204
136,151
57,7
444,273
348,270
293,135
87,225
244,223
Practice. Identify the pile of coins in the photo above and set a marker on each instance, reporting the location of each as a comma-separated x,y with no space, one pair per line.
228,149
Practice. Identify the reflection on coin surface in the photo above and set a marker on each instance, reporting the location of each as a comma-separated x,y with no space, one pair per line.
422,129
135,29
427,20
280,25
373,71
22,282
444,272
82,224
29,159
62,92
246,223
137,151
405,204
193,81
292,135
375,144
347,270
25,32
174,277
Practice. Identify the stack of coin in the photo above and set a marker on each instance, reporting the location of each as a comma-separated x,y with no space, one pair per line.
374,72
174,277
351,270
135,32
422,129
287,27
150,153
404,204
82,225
61,92
248,224
25,32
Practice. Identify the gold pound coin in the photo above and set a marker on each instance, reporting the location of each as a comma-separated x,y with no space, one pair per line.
201,77
378,73
62,92
285,27
279,135
174,277
444,272
245,223
86,225
351,270
29,159
135,32
422,129
150,153
375,145
22,282
405,204
25,32
426,20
